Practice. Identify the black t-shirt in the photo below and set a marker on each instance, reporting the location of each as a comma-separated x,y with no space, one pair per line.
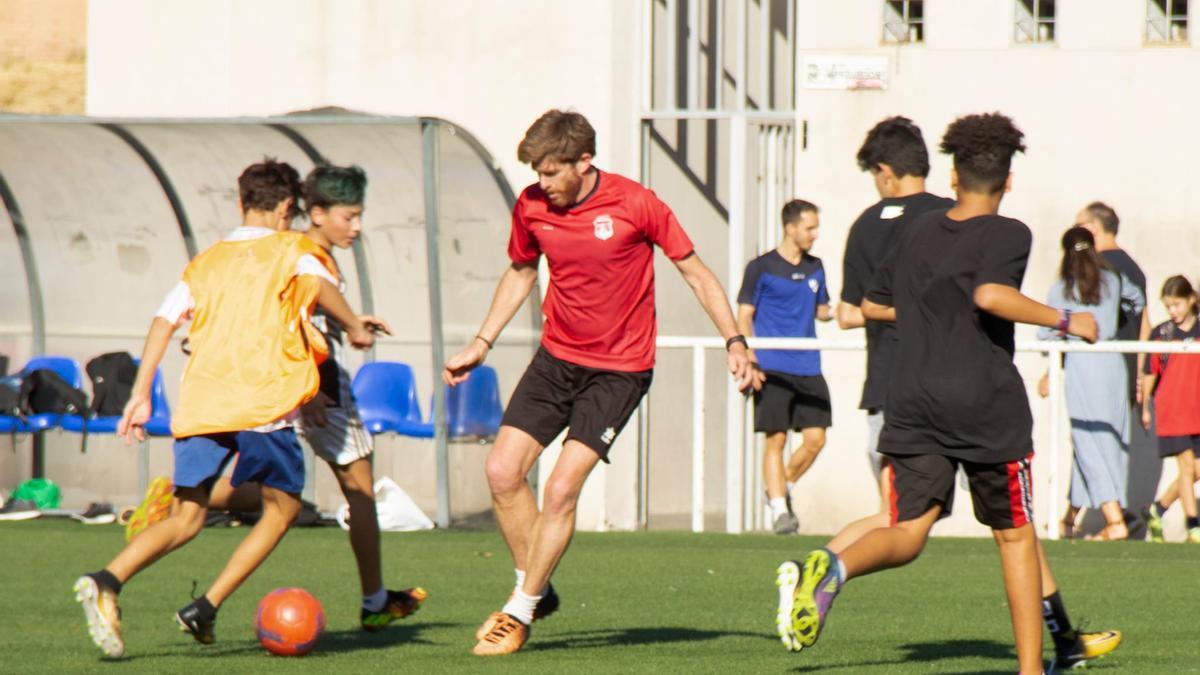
871,239
1129,322
954,389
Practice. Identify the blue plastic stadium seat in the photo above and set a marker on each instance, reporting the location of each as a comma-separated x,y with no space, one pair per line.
68,370
473,408
386,393
159,423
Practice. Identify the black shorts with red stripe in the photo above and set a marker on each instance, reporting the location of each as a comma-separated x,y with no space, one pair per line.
1002,493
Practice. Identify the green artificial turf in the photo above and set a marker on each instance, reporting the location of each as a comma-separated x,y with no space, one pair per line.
632,602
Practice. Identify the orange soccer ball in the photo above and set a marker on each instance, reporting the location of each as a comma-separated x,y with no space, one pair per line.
289,621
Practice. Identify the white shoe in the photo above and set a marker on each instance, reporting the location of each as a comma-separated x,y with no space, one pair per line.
787,576
103,616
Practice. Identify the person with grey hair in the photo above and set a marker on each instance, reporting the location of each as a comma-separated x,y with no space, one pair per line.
1102,221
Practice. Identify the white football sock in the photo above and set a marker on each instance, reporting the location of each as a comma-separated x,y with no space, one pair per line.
375,601
841,569
520,578
521,606
787,490
778,506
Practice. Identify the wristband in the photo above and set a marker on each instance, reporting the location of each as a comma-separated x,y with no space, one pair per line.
736,339
1064,320
485,341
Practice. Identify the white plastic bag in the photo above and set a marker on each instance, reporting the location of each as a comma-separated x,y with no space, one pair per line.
397,511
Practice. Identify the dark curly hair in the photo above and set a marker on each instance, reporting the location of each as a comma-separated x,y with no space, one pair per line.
897,142
263,185
983,147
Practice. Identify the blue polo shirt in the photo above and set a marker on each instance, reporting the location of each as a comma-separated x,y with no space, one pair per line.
785,299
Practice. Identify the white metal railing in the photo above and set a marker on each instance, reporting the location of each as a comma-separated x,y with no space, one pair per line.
737,495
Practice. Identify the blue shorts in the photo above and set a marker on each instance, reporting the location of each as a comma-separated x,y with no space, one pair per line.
273,459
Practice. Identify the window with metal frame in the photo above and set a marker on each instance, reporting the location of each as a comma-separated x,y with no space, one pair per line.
1167,22
1034,21
903,21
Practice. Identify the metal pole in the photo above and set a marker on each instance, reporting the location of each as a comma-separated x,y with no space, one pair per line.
693,55
698,382
739,42
764,54
718,55
737,240
647,55
1055,403
429,150
643,510
672,96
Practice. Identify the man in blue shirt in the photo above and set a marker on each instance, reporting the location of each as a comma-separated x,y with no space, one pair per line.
783,294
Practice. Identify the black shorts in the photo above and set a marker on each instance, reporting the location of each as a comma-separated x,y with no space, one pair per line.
789,401
1002,493
593,404
1169,446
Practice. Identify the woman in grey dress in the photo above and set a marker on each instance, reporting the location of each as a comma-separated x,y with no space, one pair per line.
1096,384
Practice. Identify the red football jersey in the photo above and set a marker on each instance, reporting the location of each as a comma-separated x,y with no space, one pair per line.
599,309
1177,393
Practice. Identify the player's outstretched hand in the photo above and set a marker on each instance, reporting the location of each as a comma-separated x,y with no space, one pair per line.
459,367
134,417
361,338
744,373
1083,325
313,411
1146,419
375,324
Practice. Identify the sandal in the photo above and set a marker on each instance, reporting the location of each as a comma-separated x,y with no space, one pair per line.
1107,534
1066,528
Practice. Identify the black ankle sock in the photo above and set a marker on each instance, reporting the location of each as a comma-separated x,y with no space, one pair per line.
1059,625
106,579
205,608
1193,522
1159,509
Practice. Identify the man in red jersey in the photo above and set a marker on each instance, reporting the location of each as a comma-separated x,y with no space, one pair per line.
598,231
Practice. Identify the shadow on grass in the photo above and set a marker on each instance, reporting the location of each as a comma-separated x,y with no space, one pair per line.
635,636
332,642
929,652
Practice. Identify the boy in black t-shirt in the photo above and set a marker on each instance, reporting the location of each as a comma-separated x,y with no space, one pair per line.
894,153
955,398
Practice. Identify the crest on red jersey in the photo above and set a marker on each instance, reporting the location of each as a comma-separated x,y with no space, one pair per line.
603,227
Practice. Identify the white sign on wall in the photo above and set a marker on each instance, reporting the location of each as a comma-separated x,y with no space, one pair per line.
846,72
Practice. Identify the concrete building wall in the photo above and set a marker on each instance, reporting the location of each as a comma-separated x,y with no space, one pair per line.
1105,116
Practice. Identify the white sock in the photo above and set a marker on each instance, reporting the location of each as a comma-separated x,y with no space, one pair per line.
778,506
841,569
520,578
521,606
788,487
375,601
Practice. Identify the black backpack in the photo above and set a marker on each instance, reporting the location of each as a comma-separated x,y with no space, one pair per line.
45,391
112,378
10,395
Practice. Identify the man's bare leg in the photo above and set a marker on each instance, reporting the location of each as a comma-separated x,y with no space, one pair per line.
279,512
357,483
556,523
885,547
855,530
1020,563
515,505
813,440
773,472
245,498
184,523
